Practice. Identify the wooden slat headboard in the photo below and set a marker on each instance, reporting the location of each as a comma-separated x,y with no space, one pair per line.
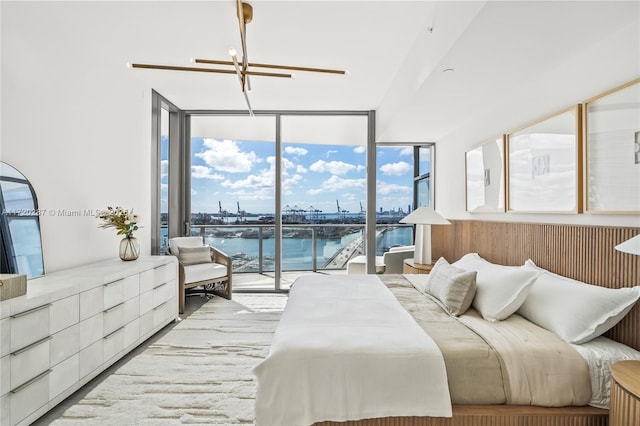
584,253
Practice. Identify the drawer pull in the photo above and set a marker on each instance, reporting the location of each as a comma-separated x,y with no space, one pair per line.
106,311
30,311
108,336
161,285
34,344
24,385
111,283
160,305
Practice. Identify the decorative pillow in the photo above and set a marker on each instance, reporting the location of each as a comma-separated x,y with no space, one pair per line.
500,289
575,311
452,286
194,255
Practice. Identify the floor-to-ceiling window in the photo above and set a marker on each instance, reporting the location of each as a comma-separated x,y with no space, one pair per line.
166,138
286,191
324,190
233,191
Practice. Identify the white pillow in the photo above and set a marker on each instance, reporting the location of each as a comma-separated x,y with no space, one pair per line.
575,311
452,286
194,255
500,289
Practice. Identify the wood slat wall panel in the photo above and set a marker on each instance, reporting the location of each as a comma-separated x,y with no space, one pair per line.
495,416
584,253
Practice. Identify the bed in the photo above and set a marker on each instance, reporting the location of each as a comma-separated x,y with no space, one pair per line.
483,363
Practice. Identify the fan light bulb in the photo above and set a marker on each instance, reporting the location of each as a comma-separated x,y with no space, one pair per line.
232,51
346,72
128,64
293,76
192,60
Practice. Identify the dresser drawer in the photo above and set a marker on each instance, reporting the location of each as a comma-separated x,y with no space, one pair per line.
64,375
154,277
91,330
64,344
113,343
91,302
27,327
91,358
113,294
163,292
5,337
29,397
5,410
5,375
113,319
132,333
28,362
64,313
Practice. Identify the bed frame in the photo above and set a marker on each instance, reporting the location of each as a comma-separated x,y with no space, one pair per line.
584,253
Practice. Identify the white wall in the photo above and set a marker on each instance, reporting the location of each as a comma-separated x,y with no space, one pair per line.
612,61
75,122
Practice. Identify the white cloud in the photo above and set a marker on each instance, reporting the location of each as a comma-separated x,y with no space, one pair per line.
359,149
164,168
407,151
384,188
334,167
202,172
335,183
295,151
226,156
396,169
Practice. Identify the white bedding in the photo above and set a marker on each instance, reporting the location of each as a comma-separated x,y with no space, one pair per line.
345,349
600,353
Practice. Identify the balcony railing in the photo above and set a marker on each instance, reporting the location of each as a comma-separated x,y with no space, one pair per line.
305,247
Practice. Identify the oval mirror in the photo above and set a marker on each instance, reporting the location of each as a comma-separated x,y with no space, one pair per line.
21,243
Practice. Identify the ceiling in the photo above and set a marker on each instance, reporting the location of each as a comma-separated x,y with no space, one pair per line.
396,53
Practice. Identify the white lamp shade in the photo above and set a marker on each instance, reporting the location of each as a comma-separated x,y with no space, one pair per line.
631,246
424,217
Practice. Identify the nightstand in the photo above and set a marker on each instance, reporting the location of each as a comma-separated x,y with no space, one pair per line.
625,394
410,267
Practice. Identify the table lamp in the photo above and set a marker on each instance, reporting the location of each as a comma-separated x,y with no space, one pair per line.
631,246
423,218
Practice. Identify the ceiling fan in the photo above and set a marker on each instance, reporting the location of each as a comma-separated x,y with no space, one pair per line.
242,68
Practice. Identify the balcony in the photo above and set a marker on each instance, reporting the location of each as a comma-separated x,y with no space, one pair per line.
306,248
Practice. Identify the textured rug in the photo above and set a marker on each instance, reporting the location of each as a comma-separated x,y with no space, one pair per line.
198,372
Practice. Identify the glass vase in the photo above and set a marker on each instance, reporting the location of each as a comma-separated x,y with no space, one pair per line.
129,248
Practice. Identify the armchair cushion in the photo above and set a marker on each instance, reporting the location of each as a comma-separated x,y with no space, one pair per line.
204,271
194,255
177,242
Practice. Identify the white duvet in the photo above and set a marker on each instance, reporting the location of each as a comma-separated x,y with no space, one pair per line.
345,349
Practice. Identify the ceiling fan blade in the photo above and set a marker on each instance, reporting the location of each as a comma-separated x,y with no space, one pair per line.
175,68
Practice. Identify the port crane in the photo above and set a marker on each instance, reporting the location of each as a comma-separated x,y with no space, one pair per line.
341,211
241,214
222,213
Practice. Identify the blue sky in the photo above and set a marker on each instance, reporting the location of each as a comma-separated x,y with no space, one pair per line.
314,175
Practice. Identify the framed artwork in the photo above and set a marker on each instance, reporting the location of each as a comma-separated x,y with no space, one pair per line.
612,151
485,174
543,162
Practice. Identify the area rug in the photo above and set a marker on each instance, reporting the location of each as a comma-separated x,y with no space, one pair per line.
198,372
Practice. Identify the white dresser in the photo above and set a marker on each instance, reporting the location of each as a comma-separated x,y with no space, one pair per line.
73,324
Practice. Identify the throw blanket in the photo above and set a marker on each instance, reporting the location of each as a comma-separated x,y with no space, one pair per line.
345,349
539,368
